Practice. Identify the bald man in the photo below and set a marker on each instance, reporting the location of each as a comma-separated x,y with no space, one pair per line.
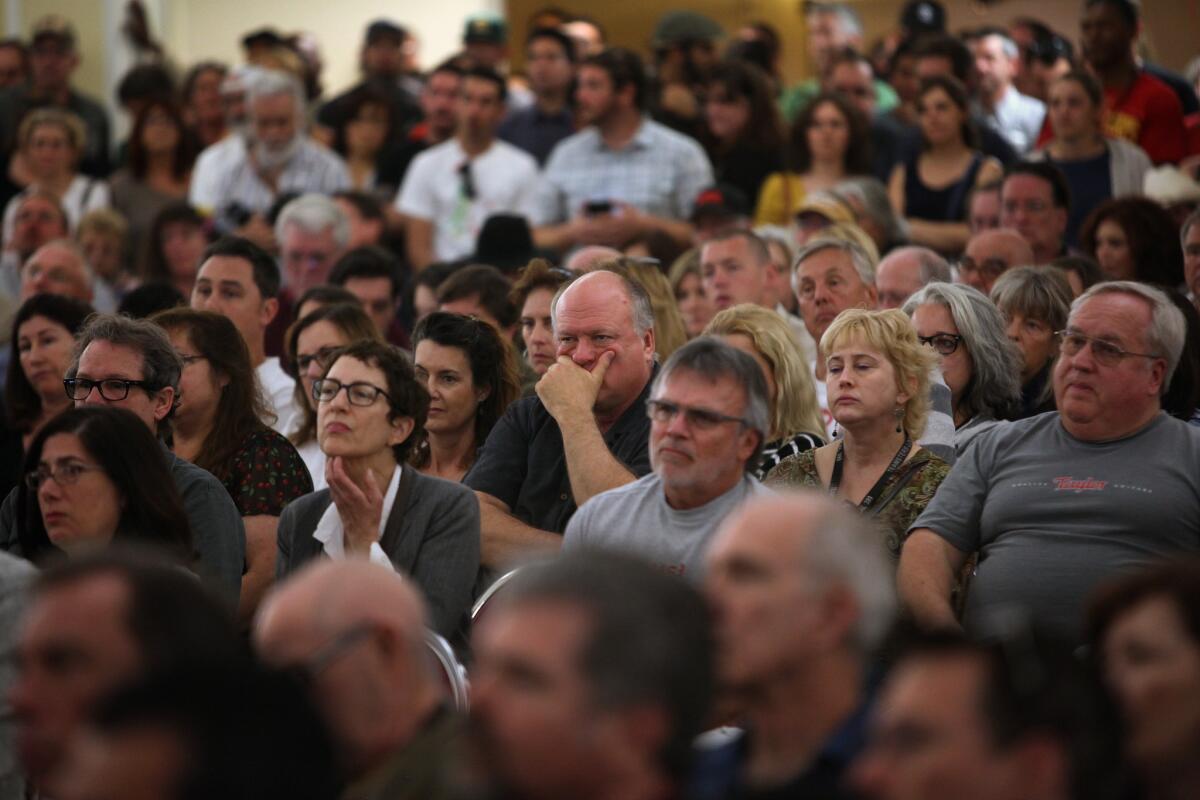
990,254
357,631
585,432
904,271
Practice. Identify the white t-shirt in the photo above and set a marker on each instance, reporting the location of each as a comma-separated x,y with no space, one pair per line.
277,388
505,181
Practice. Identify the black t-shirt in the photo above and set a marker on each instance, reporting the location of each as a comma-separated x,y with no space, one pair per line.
523,465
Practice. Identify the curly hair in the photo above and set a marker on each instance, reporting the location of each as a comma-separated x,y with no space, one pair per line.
1150,233
857,158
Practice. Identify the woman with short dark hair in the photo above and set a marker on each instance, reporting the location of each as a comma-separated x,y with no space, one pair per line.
371,412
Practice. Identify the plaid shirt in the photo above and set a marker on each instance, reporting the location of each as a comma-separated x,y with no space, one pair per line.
659,172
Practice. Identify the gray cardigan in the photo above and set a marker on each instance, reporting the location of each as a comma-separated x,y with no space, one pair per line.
437,543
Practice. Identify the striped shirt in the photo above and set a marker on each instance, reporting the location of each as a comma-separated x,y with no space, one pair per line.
659,172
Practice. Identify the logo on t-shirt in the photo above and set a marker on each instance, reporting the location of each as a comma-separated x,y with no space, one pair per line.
1088,484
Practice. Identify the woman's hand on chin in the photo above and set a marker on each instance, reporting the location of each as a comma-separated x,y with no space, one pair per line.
360,507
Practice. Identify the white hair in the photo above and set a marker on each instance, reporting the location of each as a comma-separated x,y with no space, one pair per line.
1168,327
863,263
273,83
314,213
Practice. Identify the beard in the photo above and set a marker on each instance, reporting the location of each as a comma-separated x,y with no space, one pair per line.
274,158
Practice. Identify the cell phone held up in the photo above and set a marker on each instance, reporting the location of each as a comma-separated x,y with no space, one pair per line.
597,208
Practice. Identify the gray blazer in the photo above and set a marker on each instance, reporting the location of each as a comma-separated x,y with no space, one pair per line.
437,544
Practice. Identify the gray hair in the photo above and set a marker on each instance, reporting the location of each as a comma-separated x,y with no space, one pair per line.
933,268
161,365
71,246
864,265
641,309
1191,220
1007,45
995,385
272,83
314,213
847,17
844,548
872,195
712,358
1168,327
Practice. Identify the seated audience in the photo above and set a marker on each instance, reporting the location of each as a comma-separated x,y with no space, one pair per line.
370,414
744,131
540,126
990,254
586,431
174,247
796,422
39,220
219,428
867,197
203,106
1034,302
1144,631
94,478
385,709
1109,445
367,217
828,143
59,267
470,372
979,362
159,168
122,616
709,417
1037,725
240,281
983,207
103,235
51,143
366,136
930,188
1035,201
1082,272
878,387
1015,116
372,275
669,333
1096,168
1133,239
43,339
904,271
801,592
695,306
735,267
480,291
626,644
531,295
311,341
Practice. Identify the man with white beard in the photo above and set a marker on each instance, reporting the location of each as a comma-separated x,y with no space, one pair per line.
277,158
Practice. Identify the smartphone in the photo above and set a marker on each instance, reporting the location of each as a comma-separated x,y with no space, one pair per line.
594,208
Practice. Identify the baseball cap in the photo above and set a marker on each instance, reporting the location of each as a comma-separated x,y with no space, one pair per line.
385,29
675,27
53,26
722,200
923,16
485,29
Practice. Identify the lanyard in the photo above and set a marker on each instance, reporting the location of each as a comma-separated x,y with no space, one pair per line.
835,480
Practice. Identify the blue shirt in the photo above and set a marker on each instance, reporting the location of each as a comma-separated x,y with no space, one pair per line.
1090,180
536,132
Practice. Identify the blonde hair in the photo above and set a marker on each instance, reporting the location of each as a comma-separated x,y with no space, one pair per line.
850,232
794,407
891,333
686,264
669,331
104,221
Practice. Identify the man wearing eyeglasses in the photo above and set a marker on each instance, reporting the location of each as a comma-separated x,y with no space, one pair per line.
1056,503
1035,201
990,254
354,632
709,415
131,364
451,189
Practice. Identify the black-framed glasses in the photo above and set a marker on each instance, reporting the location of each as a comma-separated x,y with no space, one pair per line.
65,474
111,389
701,419
359,393
468,180
303,362
943,343
989,267
1106,353
306,671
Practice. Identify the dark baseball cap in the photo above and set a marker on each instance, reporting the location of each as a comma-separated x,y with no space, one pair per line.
53,26
923,16
485,29
385,29
723,200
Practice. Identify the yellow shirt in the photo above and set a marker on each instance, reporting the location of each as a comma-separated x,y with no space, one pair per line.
781,195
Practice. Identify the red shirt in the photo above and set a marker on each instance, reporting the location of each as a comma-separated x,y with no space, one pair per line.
1148,114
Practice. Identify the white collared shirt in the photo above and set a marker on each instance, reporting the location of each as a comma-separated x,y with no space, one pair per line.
332,535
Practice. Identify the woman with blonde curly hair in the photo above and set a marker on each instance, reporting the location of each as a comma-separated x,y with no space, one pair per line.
877,377
796,423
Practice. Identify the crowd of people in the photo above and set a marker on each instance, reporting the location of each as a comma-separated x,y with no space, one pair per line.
622,426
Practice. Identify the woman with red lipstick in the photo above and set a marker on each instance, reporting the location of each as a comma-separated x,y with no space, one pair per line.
470,372
94,476
371,412
877,378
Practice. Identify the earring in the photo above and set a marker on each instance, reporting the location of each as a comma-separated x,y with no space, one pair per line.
898,413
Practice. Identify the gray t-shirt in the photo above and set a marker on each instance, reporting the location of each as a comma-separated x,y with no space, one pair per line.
636,518
1052,516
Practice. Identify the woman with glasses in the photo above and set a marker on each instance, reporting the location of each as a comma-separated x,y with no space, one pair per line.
470,372
1034,302
931,188
310,341
980,364
95,476
877,380
796,422
371,412
219,426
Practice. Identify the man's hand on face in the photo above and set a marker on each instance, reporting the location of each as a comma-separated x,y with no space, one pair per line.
568,391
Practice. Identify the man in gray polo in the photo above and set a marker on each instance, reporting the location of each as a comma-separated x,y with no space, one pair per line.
709,416
1057,503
